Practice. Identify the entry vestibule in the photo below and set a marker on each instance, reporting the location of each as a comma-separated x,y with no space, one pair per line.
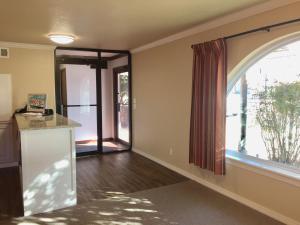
93,87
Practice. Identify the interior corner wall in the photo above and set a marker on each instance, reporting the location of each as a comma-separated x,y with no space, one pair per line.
162,87
32,71
107,103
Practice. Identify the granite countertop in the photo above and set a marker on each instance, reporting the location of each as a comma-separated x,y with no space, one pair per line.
44,122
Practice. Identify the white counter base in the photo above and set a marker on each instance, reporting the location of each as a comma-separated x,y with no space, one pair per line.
48,159
48,170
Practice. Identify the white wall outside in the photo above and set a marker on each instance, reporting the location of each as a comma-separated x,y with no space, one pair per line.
81,90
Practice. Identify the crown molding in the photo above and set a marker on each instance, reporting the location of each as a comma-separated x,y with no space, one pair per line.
251,11
25,45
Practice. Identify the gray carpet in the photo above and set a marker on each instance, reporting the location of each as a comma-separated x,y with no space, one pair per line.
185,203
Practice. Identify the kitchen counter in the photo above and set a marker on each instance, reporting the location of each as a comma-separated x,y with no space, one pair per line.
44,122
48,162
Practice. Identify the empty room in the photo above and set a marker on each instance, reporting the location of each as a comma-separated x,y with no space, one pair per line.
135,112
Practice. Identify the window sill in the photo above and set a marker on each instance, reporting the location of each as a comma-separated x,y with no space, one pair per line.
263,167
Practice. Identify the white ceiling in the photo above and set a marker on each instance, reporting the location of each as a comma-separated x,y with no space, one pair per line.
108,24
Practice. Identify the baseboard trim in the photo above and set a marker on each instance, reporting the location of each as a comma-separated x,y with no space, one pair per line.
108,139
262,209
7,165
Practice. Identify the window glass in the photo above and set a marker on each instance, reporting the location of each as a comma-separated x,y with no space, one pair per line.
263,108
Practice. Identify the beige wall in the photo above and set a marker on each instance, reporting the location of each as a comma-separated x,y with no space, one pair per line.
162,79
32,71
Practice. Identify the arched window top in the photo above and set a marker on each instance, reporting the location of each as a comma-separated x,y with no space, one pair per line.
257,55
263,106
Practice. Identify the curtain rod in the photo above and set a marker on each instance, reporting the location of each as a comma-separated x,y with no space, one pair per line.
265,28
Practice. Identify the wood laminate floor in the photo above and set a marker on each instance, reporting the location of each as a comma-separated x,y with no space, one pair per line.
126,188
10,193
103,176
98,177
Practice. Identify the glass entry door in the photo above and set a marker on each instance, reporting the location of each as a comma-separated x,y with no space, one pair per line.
93,87
79,103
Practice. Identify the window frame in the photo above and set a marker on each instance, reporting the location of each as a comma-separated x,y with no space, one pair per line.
255,165
278,171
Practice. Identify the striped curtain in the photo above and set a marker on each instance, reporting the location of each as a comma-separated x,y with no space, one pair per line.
208,114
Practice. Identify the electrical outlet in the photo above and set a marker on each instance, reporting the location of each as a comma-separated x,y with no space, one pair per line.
171,151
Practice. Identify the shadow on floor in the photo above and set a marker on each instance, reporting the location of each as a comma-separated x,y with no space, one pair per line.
185,203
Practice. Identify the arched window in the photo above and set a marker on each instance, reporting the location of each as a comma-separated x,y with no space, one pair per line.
263,109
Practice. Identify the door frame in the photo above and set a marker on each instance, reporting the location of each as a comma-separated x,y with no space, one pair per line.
116,71
60,61
99,62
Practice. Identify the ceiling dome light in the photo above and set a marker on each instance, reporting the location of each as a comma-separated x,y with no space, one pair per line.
61,39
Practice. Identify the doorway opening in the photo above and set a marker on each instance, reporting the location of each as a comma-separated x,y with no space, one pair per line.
121,122
93,87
